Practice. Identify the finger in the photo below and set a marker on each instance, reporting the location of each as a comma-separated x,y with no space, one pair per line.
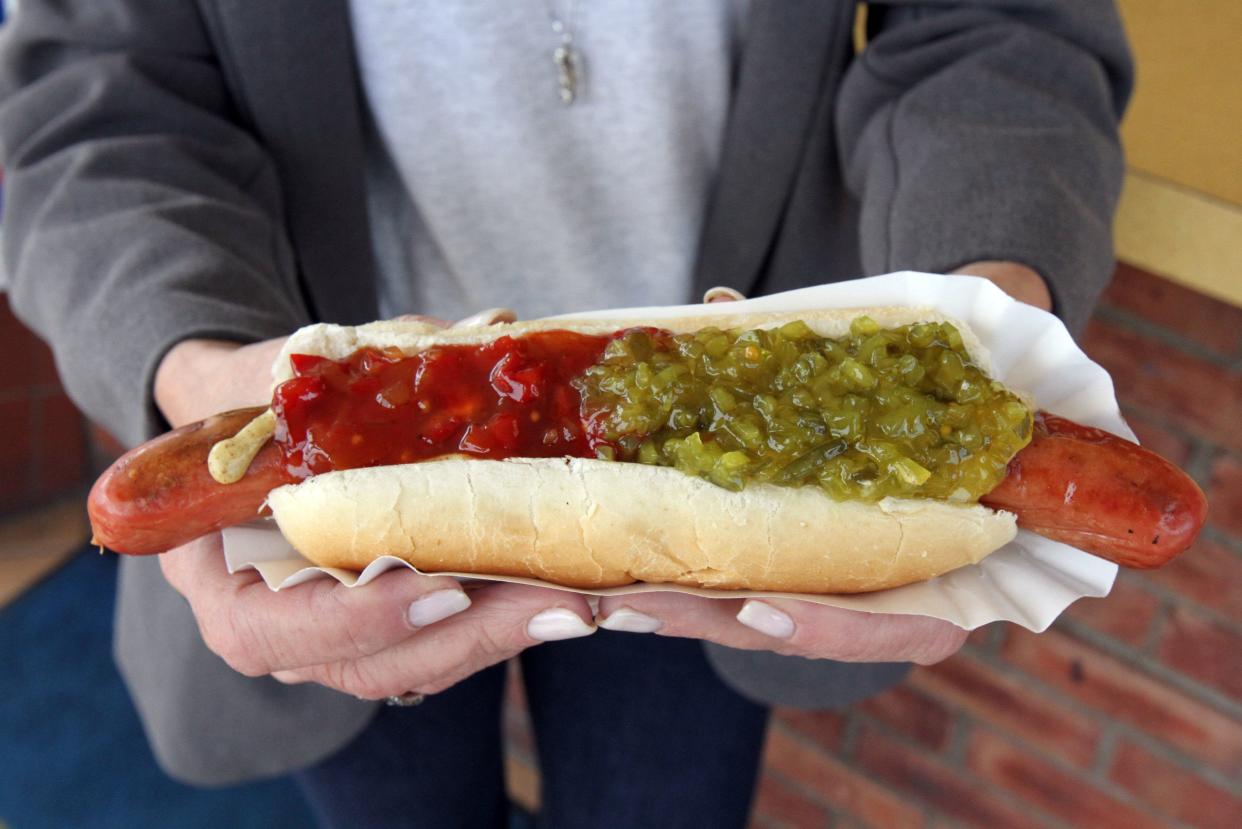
789,626
504,620
435,322
852,636
258,631
677,614
722,293
491,316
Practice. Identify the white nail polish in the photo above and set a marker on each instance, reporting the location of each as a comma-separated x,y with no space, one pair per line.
630,621
719,292
766,619
435,606
557,623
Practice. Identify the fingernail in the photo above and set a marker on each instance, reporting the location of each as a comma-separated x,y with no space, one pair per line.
629,620
557,623
436,606
722,293
485,318
766,619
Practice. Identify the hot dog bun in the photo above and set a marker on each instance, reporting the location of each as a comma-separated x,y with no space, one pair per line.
592,524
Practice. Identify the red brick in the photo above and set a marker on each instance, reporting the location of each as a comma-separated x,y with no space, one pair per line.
1174,791
62,447
1126,613
981,636
1168,443
1208,574
1012,706
932,782
15,457
778,804
1225,492
1069,796
1204,650
1129,695
33,365
835,784
824,727
14,339
104,446
986,639
1213,324
1160,380
914,714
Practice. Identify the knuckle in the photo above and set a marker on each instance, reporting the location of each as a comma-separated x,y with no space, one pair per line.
357,629
354,678
233,637
219,638
945,642
440,684
493,639
170,567
879,638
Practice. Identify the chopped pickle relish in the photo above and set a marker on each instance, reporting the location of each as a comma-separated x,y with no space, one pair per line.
896,412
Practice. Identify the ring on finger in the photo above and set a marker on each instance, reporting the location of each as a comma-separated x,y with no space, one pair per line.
406,700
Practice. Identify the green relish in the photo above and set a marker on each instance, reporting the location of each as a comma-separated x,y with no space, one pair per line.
879,412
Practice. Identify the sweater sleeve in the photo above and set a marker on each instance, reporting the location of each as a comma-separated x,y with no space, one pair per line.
988,130
139,209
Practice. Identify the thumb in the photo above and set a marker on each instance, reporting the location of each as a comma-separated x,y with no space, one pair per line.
722,293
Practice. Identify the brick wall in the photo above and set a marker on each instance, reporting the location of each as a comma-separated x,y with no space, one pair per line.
1128,712
43,441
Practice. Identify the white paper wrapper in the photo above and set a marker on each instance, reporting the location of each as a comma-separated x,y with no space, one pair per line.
1028,581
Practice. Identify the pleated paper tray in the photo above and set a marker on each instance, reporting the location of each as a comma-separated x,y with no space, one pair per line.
1029,581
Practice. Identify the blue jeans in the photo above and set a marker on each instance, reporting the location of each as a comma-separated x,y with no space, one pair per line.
632,731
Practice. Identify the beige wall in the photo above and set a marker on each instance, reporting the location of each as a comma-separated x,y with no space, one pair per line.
1181,213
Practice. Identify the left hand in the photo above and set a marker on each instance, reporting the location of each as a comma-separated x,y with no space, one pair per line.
1020,282
807,629
786,626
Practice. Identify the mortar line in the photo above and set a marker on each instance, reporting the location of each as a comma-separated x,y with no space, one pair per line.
1141,325
1172,598
1172,755
1212,698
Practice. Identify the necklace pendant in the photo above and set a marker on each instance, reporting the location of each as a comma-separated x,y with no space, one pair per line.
568,71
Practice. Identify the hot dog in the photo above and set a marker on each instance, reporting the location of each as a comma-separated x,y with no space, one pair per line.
556,509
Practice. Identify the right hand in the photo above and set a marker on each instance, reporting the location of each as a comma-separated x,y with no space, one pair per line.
403,632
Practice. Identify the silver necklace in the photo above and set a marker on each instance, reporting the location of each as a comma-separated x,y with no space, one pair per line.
566,57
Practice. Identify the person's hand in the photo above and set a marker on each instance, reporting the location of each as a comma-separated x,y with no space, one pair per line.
1020,282
401,633
786,626
199,378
